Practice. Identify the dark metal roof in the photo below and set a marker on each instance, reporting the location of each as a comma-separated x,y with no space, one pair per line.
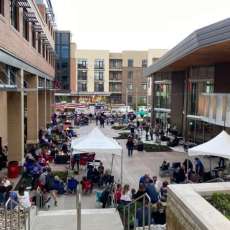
206,36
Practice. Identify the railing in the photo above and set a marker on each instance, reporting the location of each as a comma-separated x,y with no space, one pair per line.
78,208
16,216
145,201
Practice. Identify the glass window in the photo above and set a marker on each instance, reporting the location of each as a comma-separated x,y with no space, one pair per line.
25,25
195,89
130,76
99,87
130,99
144,63
130,86
82,75
99,75
82,86
39,43
144,86
33,38
65,51
142,100
115,63
14,14
82,64
65,37
163,95
154,60
130,62
99,64
2,7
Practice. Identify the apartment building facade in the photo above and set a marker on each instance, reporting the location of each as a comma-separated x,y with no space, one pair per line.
26,72
112,78
191,84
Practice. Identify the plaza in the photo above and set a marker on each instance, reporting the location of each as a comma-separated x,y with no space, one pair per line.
100,131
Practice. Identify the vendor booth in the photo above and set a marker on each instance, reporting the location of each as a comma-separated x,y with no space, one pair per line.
97,142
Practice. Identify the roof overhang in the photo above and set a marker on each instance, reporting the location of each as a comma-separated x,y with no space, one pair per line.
206,46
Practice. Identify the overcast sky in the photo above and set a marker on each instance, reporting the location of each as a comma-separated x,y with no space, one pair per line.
135,24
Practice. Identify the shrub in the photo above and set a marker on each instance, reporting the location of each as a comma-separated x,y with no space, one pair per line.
156,148
221,201
123,136
61,174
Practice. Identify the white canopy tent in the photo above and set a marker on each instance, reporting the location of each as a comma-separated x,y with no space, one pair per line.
219,146
97,142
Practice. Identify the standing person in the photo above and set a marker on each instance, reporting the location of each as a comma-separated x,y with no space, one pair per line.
130,146
102,122
199,167
151,133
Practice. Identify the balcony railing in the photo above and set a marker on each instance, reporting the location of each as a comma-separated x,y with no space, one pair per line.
215,108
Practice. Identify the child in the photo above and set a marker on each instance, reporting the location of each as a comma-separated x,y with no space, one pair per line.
72,185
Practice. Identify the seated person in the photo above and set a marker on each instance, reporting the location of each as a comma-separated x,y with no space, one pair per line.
87,185
173,142
164,190
58,185
72,184
3,159
165,166
179,175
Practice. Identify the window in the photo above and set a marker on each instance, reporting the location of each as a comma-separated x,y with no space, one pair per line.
14,14
43,50
130,62
142,100
130,99
115,64
82,75
144,86
99,87
2,7
154,60
25,26
130,87
99,75
82,64
144,63
39,43
130,76
33,38
82,86
99,64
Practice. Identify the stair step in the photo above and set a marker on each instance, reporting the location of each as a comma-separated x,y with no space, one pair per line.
92,219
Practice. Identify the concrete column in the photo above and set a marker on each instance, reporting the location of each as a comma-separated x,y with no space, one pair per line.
3,117
15,106
42,108
32,111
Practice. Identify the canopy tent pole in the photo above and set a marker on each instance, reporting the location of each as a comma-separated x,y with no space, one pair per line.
112,163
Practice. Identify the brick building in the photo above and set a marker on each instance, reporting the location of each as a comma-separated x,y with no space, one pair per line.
26,72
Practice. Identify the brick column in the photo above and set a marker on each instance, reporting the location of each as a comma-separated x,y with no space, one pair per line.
48,106
42,108
3,117
32,111
15,106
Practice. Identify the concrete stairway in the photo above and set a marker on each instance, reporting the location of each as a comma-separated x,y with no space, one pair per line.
92,219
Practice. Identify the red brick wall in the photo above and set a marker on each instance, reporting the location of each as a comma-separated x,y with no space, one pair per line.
13,42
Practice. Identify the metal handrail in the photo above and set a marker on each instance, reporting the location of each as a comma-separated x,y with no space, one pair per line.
78,209
134,202
20,207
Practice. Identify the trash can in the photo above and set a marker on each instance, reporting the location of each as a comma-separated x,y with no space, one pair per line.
13,169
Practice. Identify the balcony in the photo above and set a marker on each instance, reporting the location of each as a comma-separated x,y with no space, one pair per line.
115,68
215,108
